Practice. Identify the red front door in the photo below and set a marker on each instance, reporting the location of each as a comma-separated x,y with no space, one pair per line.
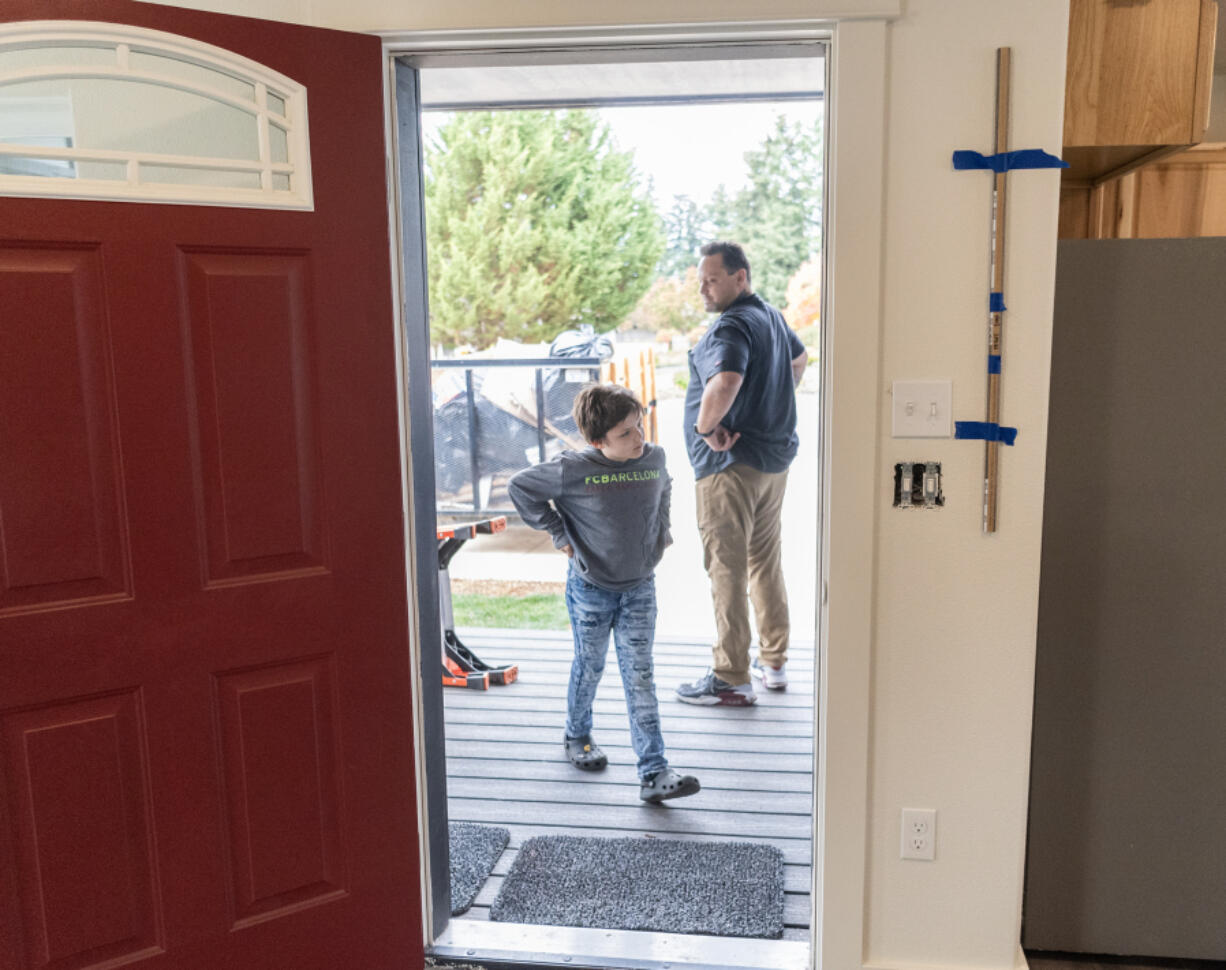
205,744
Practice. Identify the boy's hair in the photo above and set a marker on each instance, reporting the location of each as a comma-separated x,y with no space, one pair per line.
732,254
599,408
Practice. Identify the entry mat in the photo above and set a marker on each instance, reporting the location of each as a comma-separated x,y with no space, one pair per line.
665,885
474,850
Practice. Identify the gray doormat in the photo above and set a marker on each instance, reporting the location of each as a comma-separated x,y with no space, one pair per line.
665,885
474,850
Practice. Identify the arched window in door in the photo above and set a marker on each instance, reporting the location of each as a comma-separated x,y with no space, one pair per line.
105,111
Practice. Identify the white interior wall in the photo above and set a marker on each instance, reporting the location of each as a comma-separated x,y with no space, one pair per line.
947,643
956,611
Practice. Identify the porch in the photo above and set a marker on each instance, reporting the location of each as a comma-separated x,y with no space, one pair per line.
505,767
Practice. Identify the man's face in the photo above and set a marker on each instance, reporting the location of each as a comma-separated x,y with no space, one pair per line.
717,286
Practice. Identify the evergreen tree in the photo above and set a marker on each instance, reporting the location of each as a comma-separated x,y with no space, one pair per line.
534,225
685,230
777,216
721,215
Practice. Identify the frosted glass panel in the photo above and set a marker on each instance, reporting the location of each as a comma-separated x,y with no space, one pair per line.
62,168
111,171
32,165
193,74
278,144
131,116
34,58
175,175
106,111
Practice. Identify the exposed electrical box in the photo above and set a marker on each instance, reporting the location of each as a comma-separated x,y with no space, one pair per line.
917,485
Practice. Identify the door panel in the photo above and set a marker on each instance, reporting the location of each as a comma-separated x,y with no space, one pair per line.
281,787
251,407
205,724
94,868
66,540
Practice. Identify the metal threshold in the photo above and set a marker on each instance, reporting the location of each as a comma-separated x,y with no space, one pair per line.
566,946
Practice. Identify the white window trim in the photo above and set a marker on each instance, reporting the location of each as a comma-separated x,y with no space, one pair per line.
125,40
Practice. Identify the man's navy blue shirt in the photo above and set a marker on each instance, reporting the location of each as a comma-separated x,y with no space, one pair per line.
752,339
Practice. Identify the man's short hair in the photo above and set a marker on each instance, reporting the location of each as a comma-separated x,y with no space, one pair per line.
599,408
731,253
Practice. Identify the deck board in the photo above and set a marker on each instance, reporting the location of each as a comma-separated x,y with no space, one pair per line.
505,764
602,790
506,747
553,768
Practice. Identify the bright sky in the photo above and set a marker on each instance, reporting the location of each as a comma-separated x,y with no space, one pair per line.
689,149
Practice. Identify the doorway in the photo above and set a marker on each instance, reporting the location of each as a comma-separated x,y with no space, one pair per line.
517,82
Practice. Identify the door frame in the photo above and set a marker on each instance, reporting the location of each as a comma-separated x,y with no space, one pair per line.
421,549
851,338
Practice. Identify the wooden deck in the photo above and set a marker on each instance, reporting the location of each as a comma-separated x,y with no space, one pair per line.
505,764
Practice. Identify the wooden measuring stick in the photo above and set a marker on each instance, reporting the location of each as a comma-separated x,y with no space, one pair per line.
995,316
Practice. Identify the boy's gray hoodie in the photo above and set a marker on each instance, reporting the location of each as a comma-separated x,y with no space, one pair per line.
614,514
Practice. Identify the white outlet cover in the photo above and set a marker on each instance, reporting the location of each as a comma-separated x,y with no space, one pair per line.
919,834
923,409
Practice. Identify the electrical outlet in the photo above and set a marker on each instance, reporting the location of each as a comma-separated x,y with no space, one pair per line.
919,833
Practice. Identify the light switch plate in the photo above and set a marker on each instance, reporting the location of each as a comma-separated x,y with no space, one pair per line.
923,409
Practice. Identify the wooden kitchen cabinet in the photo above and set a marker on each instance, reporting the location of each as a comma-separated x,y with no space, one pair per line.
1138,82
1182,196
1136,98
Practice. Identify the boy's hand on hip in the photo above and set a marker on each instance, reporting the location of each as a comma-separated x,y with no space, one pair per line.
570,553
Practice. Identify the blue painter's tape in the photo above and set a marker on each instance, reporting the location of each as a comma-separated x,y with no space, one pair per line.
993,363
984,431
1007,161
996,302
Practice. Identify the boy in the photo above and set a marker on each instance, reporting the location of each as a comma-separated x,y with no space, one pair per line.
609,514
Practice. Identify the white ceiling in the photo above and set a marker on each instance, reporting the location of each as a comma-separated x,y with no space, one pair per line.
640,76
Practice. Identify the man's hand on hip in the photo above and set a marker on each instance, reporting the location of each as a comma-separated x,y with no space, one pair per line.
721,439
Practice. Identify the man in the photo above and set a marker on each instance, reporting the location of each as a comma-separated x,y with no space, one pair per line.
740,431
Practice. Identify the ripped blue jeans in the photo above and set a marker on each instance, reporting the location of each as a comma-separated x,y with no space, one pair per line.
631,616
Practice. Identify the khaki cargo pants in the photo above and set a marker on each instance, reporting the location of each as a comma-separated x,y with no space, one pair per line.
739,518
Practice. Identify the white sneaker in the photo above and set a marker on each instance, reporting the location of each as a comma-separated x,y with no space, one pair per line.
773,678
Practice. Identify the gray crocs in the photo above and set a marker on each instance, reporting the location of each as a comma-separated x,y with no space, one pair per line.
584,754
667,784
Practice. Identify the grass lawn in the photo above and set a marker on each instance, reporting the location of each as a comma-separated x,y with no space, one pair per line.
537,611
